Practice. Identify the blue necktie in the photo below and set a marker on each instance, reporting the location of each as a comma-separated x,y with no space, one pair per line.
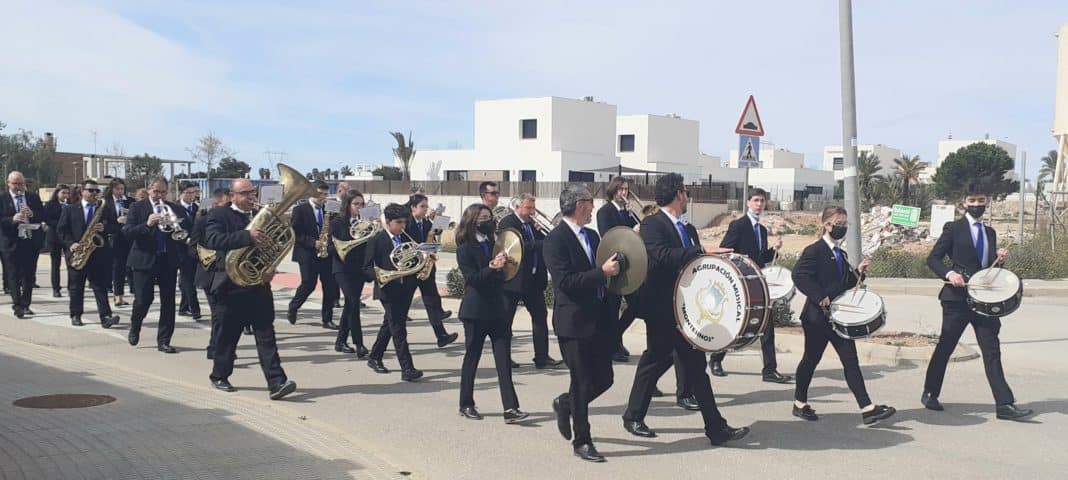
530,232
980,243
161,238
589,254
319,217
682,232
396,241
838,260
485,247
756,233
18,203
89,216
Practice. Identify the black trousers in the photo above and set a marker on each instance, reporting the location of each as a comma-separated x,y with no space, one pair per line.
187,271
20,270
317,270
143,282
216,322
534,302
475,333
590,363
96,271
817,335
253,307
352,285
394,327
956,316
119,272
428,290
664,342
57,251
767,351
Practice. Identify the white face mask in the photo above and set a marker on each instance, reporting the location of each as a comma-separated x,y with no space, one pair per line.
754,215
685,218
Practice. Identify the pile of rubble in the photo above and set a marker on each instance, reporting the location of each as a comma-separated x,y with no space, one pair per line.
878,232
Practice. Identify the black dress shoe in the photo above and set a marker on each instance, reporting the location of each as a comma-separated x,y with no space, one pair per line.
133,338
881,412
620,358
20,313
689,403
76,320
109,321
728,434
361,351
279,391
806,413
470,413
514,415
931,403
563,418
291,315
638,428
411,375
344,349
548,363
377,366
717,369
330,325
363,305
657,393
446,314
1009,411
56,294
166,348
248,329
513,363
776,377
588,453
447,339
184,313
223,384
197,316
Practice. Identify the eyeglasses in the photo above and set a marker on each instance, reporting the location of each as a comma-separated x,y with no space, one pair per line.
840,224
246,192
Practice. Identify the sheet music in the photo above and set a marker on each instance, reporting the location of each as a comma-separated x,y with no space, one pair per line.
370,213
270,194
441,222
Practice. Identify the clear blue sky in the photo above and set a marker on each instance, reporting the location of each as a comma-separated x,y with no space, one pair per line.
325,81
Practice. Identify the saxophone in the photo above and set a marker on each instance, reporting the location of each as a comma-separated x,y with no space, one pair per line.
248,266
324,236
90,241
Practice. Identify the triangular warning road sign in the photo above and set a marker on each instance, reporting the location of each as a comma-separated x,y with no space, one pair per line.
749,123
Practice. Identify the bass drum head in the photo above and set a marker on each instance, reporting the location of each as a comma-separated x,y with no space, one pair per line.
780,283
857,307
993,285
710,304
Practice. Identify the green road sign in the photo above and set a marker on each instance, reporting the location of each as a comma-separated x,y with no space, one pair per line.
905,215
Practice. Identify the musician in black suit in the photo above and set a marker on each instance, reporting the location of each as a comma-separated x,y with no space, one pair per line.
671,244
586,330
748,237
187,260
482,311
529,284
971,246
396,296
56,249
70,229
224,231
308,221
21,238
348,274
117,200
823,273
615,213
419,230
203,276
154,260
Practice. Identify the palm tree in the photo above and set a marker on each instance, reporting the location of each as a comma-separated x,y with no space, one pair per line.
868,177
908,168
405,152
1049,166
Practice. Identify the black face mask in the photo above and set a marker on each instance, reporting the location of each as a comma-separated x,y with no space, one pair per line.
976,211
838,232
486,227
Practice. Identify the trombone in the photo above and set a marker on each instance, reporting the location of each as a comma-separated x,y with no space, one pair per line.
540,218
643,210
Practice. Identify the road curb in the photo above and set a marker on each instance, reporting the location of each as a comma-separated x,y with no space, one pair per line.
875,353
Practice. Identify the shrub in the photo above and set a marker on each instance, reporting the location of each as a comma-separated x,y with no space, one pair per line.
454,283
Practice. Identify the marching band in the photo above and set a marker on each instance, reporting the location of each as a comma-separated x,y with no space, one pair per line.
507,253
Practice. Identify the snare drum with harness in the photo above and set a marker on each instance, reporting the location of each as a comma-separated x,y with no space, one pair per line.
994,292
721,302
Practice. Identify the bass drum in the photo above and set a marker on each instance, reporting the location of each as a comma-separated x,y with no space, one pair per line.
721,302
994,292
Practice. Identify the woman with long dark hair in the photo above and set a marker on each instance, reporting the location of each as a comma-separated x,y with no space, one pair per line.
349,275
482,311
56,250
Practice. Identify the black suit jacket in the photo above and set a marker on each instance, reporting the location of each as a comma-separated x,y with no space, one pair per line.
118,240
355,259
608,217
483,295
224,230
418,234
741,238
9,240
378,250
307,230
53,210
667,255
71,225
142,237
956,243
577,312
816,275
531,277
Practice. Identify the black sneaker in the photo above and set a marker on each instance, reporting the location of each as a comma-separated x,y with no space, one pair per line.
806,413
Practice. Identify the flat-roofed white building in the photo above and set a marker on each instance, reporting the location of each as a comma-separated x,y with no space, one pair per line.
950,145
662,143
834,158
793,184
772,158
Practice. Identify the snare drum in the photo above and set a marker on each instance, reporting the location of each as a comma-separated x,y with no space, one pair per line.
780,284
857,313
994,292
721,302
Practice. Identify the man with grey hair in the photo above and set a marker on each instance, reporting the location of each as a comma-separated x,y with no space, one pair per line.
581,318
21,239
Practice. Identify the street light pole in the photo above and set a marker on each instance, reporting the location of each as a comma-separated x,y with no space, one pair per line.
849,128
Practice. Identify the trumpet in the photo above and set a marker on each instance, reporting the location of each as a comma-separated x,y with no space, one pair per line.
170,223
407,259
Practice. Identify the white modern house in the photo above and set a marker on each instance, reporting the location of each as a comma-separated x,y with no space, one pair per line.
772,158
834,158
663,143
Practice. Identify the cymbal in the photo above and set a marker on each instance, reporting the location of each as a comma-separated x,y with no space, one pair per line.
633,259
510,242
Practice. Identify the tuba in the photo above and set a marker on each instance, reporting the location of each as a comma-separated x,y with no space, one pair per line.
361,232
248,266
407,259
90,241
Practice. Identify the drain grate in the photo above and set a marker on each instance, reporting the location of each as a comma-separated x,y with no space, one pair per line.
64,400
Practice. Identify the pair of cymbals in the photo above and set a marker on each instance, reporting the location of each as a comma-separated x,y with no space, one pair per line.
629,249
510,242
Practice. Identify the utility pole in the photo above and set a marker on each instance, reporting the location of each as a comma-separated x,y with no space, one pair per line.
849,128
1023,183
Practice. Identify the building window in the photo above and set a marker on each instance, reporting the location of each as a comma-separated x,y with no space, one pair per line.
529,128
456,175
573,176
626,143
839,162
814,191
528,175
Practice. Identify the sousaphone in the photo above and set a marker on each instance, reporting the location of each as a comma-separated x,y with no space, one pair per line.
510,242
629,250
